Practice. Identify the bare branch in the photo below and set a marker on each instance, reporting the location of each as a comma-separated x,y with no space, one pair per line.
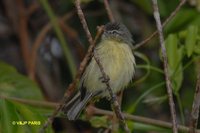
72,86
195,107
135,118
166,68
114,102
35,103
83,22
96,111
109,12
115,122
138,45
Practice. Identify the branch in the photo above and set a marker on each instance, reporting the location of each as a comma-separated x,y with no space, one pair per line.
114,102
96,111
138,45
83,22
166,68
140,119
109,12
115,124
72,86
34,103
195,107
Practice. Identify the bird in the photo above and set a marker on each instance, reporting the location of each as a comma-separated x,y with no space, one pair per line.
115,54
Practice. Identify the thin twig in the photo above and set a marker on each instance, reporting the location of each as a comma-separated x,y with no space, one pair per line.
166,68
97,111
195,107
99,32
109,12
83,22
114,102
115,118
140,119
138,45
72,86
115,121
34,103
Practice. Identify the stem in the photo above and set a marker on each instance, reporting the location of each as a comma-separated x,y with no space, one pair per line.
34,103
166,68
180,108
141,119
114,102
109,12
195,107
138,45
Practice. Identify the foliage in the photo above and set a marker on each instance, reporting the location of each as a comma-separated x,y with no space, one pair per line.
16,117
145,96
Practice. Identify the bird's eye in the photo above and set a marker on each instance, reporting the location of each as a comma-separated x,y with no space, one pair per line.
113,32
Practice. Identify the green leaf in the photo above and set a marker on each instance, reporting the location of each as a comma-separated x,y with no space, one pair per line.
34,118
18,118
191,39
156,100
132,108
171,44
196,21
174,55
178,71
197,48
182,19
7,115
98,121
14,84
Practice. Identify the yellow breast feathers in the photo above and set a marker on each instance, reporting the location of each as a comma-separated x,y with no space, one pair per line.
118,62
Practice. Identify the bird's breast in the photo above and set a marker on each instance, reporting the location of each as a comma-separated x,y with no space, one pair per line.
118,63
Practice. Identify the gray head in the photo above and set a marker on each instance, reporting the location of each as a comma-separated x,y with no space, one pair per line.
118,32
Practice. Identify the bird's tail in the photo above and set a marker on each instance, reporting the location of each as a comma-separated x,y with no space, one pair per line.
74,107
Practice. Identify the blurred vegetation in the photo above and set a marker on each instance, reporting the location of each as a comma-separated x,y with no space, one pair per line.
63,47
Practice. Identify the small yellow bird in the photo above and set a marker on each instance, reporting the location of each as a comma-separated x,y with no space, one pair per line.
115,54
